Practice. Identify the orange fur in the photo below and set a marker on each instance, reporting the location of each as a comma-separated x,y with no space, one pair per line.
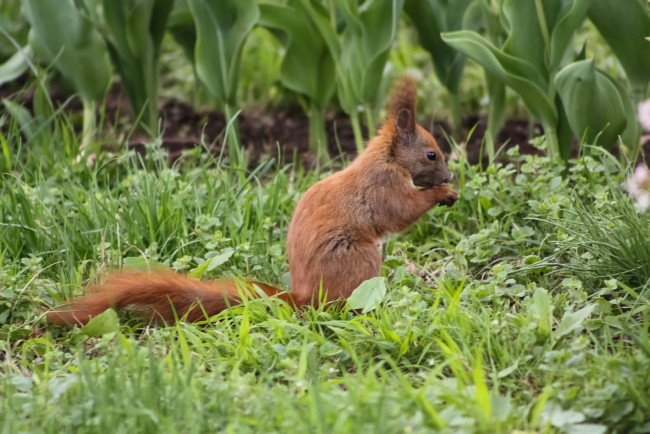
159,296
334,238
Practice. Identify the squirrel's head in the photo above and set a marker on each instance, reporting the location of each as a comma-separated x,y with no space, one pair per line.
412,146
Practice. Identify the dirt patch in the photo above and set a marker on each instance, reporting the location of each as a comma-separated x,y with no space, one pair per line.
285,131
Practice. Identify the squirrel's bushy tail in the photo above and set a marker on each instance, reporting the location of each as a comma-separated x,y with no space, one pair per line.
160,296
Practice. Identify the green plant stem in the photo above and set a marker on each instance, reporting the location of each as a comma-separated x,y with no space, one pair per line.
456,117
152,103
234,148
356,128
553,146
370,119
490,143
88,128
497,93
638,94
634,148
317,134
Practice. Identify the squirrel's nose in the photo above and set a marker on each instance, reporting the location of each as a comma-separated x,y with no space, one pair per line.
446,180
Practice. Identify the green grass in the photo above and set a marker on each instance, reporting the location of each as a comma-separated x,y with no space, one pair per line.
482,329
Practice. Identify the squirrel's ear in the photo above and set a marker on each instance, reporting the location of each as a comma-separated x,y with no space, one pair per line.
401,108
404,121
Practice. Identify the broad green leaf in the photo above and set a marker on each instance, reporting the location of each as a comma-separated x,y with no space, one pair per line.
133,30
141,263
158,23
563,130
509,370
360,49
482,18
525,39
570,18
320,16
564,419
105,322
368,295
16,65
136,262
222,27
573,321
502,407
430,18
215,261
14,28
22,117
211,263
70,40
541,312
631,136
181,26
379,29
516,73
593,104
200,269
307,66
625,24
350,13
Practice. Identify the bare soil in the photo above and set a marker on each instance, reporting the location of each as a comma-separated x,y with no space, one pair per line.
287,130
284,131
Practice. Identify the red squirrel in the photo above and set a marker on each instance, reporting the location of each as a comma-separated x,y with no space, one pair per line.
334,238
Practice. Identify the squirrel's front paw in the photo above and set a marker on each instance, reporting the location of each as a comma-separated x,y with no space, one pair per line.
448,195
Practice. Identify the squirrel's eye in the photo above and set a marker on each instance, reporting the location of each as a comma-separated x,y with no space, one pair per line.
431,155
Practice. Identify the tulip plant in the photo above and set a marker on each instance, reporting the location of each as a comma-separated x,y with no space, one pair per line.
569,96
62,35
307,68
431,18
360,47
337,50
134,30
222,27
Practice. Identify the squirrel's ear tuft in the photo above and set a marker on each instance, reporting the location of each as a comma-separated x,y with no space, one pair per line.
402,104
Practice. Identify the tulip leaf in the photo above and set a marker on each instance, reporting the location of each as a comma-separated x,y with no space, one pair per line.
516,73
22,117
16,65
181,26
62,34
624,24
525,39
222,28
307,66
630,137
430,18
360,48
592,103
134,30
568,21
